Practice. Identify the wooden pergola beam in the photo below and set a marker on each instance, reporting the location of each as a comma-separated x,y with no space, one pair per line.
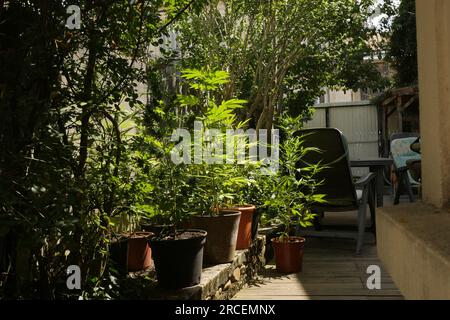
389,100
405,91
410,102
400,113
401,92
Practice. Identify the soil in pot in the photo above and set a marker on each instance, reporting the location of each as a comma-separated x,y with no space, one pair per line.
244,239
289,254
157,229
222,235
139,252
179,260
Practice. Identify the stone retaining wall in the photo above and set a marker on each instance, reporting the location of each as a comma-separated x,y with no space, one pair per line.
222,282
219,282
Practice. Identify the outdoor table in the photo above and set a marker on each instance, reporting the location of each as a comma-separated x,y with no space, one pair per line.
375,165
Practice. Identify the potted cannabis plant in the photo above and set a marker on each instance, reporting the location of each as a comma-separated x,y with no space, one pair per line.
177,252
214,191
221,224
292,197
213,174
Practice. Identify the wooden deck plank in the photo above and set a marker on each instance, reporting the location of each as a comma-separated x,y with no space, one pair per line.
321,289
340,297
331,270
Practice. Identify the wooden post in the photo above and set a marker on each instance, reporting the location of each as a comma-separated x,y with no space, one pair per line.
400,113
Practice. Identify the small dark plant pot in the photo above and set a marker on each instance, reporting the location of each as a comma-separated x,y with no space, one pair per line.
179,261
244,238
270,233
119,254
289,254
255,223
222,235
139,252
131,252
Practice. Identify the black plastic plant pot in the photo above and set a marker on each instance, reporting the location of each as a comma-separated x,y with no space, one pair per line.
255,223
179,261
119,254
222,231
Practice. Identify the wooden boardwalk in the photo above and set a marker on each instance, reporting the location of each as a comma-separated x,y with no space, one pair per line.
331,270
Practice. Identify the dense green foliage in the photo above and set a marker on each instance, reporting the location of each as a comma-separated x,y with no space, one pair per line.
86,118
205,181
281,54
403,45
64,173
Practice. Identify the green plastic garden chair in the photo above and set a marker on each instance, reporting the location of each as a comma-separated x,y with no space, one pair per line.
402,154
341,191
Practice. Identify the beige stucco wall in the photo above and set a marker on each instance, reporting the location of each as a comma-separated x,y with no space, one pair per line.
413,243
413,240
433,25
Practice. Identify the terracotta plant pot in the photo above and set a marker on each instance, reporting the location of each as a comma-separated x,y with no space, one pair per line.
222,235
244,239
289,254
178,262
139,252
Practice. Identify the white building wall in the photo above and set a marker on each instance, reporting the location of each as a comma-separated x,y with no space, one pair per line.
359,124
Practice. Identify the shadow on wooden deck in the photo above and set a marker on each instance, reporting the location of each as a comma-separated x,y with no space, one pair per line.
331,270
